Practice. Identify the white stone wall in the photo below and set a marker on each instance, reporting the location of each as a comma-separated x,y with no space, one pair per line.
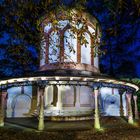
71,102
68,96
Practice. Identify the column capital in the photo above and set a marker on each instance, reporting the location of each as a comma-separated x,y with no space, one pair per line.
41,86
96,87
41,89
128,96
135,97
96,92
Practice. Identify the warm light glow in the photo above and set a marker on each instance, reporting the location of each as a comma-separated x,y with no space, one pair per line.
57,78
111,81
10,81
31,79
71,78
43,78
84,79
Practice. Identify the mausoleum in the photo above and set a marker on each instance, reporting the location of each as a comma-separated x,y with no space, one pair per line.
68,85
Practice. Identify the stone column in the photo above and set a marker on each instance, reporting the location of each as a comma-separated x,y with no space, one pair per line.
126,106
34,100
2,107
96,115
59,100
77,103
74,90
136,107
38,97
121,104
55,94
130,114
41,111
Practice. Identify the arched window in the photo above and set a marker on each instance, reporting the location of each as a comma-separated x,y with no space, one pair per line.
21,105
54,47
47,28
86,50
91,30
70,46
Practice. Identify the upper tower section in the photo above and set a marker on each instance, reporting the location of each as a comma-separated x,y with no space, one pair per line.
70,40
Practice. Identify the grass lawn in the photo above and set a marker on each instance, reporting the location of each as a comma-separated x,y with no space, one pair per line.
113,129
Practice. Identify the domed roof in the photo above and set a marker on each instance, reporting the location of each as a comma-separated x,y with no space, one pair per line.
78,16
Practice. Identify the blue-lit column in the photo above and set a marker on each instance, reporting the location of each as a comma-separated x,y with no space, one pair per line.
96,115
130,113
41,111
136,107
3,96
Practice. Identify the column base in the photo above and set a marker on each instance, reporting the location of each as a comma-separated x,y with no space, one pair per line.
97,123
41,125
41,122
59,105
130,120
77,105
1,122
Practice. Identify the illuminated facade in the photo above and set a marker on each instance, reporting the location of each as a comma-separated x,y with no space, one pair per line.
68,85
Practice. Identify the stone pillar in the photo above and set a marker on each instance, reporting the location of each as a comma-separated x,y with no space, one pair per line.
121,104
59,100
126,106
77,103
55,94
2,107
74,101
136,107
41,111
96,115
34,100
38,97
130,114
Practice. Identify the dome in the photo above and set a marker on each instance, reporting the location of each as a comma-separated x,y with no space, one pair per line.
70,41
